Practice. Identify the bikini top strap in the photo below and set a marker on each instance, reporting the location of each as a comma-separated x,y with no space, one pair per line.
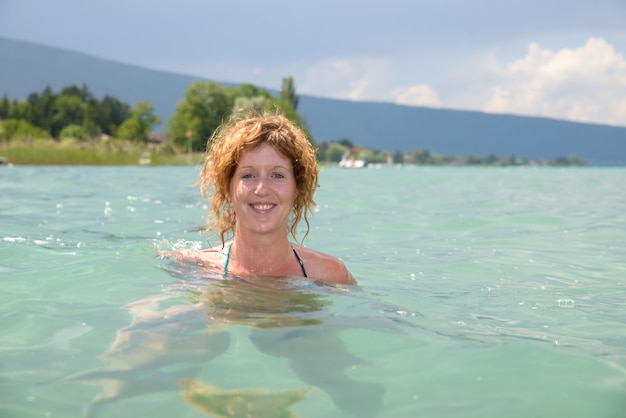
300,261
225,273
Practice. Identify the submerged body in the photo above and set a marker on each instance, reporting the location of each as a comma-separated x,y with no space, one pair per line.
168,344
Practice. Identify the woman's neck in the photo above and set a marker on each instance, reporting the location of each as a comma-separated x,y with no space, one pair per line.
261,255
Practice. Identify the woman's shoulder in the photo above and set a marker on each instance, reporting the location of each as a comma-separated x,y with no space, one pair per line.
324,266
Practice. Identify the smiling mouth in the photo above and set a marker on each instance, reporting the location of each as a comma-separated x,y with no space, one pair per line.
262,207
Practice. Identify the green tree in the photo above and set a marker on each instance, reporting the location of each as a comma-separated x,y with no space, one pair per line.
576,161
205,107
46,108
20,129
398,157
287,103
5,107
288,93
67,110
109,113
320,151
40,108
18,110
421,157
334,152
491,159
346,143
373,156
74,131
255,103
33,111
140,123
250,97
378,157
510,159
82,93
131,130
247,90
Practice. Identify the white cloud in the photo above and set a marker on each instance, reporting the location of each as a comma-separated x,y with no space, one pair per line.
418,95
353,79
586,84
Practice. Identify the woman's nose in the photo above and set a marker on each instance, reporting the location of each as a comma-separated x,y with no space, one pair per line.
261,187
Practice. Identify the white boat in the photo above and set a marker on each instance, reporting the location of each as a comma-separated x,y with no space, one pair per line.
348,161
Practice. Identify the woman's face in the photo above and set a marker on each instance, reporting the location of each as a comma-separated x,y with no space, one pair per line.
262,191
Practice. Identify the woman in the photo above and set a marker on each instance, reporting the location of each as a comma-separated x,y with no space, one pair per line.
262,173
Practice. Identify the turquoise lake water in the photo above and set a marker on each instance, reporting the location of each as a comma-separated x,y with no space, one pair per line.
484,292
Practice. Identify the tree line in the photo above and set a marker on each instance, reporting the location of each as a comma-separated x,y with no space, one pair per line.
335,151
76,113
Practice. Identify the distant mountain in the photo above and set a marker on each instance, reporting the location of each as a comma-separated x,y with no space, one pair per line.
27,67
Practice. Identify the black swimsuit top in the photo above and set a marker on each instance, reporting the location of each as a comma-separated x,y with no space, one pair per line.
294,252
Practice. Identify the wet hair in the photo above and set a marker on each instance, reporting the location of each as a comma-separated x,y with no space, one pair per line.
246,131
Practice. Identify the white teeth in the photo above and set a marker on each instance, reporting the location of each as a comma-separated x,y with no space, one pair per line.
262,207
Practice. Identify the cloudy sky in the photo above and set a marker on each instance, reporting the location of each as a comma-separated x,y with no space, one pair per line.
564,59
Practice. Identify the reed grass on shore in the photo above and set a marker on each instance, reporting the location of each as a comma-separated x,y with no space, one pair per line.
93,152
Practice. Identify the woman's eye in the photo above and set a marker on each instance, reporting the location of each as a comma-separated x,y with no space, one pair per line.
278,176
247,176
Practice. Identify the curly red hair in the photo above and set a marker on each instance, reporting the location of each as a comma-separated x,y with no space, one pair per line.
246,131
